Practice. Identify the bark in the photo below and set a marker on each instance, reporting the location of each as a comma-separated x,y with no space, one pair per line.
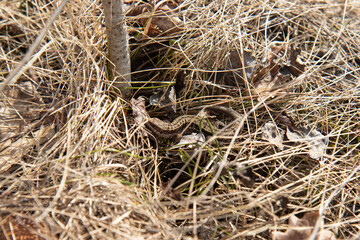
118,45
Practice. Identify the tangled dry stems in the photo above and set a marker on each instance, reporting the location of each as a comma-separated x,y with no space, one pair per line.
73,160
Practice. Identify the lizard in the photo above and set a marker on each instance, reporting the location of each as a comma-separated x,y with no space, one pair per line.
164,129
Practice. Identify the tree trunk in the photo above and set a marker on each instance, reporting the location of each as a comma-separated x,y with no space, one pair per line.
118,45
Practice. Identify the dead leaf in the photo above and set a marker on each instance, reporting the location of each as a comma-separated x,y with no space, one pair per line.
302,228
166,21
26,121
268,85
274,54
139,111
268,78
282,202
242,66
245,174
9,149
240,171
277,72
314,139
157,17
273,134
165,98
191,141
316,142
188,144
284,119
20,228
171,192
296,66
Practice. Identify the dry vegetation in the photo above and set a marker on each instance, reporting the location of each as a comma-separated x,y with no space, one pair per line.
74,165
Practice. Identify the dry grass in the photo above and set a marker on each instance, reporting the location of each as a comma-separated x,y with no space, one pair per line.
73,161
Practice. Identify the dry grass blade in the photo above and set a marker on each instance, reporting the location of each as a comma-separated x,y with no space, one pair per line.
14,75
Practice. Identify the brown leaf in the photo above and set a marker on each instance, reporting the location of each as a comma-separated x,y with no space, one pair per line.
9,148
242,66
20,228
139,111
277,71
296,68
240,171
314,139
284,119
269,79
166,98
273,134
168,24
25,121
171,193
302,228
274,54
157,19
269,84
245,174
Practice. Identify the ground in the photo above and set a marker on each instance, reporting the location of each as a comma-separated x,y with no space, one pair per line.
76,164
